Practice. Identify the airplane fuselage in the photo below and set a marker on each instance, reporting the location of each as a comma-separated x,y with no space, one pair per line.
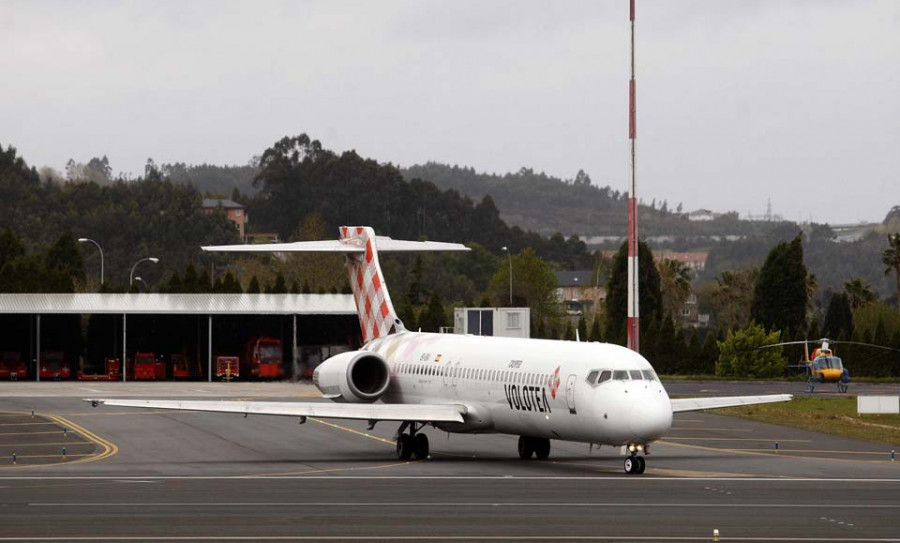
539,388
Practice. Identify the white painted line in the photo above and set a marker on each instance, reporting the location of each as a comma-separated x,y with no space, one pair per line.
484,537
469,504
623,478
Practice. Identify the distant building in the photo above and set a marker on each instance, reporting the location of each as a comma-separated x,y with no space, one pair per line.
703,215
694,261
234,211
690,315
579,292
493,321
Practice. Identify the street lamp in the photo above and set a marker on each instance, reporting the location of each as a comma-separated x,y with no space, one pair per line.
510,272
140,280
85,240
131,276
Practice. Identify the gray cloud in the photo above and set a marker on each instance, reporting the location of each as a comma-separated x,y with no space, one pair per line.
738,101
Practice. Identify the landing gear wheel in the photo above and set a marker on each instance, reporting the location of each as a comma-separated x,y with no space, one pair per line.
630,464
641,465
541,447
405,446
810,386
526,447
420,451
842,387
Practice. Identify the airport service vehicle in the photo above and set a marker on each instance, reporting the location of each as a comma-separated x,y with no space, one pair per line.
112,371
262,359
12,366
825,366
532,388
147,367
54,366
228,367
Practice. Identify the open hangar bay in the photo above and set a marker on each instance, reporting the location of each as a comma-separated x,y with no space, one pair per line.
158,476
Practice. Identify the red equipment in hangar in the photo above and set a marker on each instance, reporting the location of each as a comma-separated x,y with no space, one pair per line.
112,372
12,366
54,366
263,359
147,367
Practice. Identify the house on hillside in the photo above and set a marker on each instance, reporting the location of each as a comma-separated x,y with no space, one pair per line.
234,211
695,262
703,215
579,291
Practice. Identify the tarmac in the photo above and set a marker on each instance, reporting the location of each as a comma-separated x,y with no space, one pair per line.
144,475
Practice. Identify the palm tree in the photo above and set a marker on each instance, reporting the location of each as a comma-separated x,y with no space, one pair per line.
675,284
891,259
859,292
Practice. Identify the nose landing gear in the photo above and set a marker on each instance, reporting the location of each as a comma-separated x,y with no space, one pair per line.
635,465
412,445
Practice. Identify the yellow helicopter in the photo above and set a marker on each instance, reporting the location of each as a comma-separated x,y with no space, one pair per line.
825,366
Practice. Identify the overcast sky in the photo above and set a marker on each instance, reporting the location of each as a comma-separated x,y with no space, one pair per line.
739,101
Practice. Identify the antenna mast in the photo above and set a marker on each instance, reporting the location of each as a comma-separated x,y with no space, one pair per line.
634,323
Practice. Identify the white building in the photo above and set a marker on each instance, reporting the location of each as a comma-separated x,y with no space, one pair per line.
493,321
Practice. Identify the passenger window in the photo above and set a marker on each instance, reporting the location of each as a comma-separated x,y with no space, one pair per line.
592,377
620,375
636,375
605,375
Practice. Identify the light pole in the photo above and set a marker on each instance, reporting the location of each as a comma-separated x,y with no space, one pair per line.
131,276
510,273
85,240
138,279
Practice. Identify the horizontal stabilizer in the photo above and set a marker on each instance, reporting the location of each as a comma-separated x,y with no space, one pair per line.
383,244
326,410
680,405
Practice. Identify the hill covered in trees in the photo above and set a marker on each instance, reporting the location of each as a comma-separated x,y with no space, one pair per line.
546,204
150,216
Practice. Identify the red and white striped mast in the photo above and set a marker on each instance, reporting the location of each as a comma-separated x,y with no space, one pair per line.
634,322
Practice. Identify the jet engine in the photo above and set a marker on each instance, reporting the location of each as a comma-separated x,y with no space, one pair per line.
353,377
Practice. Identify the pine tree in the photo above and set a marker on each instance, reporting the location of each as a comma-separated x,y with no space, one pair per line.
582,329
781,293
617,292
253,287
838,317
595,334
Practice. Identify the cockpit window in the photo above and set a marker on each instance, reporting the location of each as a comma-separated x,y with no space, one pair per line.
620,375
649,375
605,375
592,377
636,375
831,362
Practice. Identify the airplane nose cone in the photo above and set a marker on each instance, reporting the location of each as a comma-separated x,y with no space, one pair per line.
650,418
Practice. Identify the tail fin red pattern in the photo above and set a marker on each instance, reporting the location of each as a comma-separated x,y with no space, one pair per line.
377,317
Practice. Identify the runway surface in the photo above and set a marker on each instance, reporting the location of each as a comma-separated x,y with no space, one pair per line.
166,476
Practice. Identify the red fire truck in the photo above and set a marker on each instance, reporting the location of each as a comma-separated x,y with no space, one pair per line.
227,367
148,367
54,366
263,359
12,366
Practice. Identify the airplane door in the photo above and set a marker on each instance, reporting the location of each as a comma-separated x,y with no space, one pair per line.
570,393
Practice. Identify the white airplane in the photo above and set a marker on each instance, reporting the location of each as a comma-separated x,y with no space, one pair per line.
537,389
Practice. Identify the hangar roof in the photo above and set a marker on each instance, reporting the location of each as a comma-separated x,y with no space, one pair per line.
184,304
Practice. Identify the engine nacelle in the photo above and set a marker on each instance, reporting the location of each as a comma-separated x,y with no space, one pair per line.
354,377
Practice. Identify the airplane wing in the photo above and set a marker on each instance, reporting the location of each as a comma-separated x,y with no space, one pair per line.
327,410
384,244
680,405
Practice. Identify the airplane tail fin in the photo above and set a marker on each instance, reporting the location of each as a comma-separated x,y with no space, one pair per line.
361,246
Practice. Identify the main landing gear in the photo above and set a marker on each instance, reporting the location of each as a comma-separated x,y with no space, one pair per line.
537,446
412,445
